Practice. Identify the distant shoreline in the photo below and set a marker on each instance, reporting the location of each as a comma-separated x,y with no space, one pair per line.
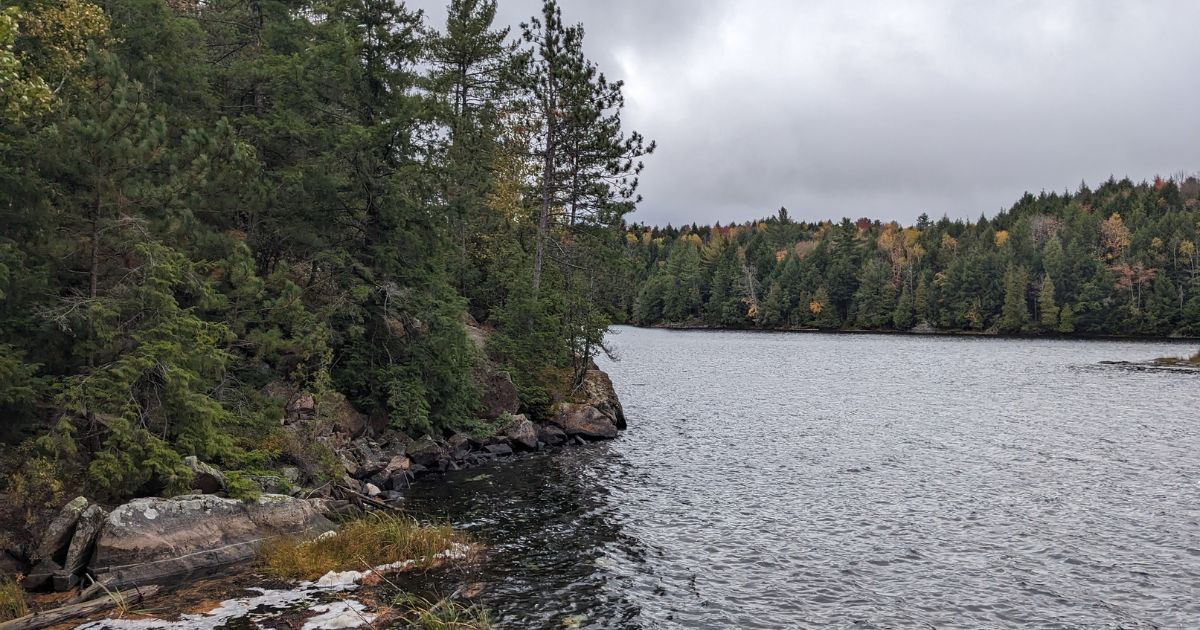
922,333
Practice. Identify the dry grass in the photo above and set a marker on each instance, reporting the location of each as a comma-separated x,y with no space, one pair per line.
367,542
444,614
12,600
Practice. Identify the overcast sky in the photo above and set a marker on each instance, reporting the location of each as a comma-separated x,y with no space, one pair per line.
892,108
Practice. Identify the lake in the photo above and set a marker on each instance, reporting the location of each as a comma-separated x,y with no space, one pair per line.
790,480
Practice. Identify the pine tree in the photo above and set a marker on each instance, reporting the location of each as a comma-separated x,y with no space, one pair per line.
1015,314
1066,320
1047,305
903,318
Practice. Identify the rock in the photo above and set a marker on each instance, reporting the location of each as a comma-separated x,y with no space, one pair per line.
58,535
584,421
291,474
272,484
63,581
41,573
86,532
373,490
11,567
426,452
153,540
499,395
392,496
551,435
499,450
398,463
459,445
367,457
346,419
205,478
399,479
598,392
522,433
302,407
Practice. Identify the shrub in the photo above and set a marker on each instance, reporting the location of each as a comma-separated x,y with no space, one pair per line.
361,544
443,614
12,600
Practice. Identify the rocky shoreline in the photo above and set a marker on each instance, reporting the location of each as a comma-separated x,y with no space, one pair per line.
362,468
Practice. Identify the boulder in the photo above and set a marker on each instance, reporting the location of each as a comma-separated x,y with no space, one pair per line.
80,551
11,567
499,450
598,391
53,545
346,419
205,478
367,457
291,474
399,480
499,395
551,435
426,452
153,540
521,433
41,573
302,407
584,421
459,445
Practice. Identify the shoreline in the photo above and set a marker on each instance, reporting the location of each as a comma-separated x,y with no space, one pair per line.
923,333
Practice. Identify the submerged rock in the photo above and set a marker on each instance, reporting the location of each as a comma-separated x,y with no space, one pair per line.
584,421
152,540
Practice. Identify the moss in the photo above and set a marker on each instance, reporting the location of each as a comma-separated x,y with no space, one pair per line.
359,545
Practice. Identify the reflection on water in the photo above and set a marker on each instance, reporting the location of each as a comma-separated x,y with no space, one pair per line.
799,480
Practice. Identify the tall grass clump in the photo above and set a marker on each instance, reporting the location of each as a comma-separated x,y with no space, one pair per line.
12,600
443,614
360,544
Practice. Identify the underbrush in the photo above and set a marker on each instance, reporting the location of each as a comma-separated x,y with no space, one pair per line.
361,544
12,600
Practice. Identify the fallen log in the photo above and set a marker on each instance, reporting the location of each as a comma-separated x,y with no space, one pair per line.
56,616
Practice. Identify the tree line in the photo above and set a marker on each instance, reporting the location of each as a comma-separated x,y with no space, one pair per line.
199,199
1117,260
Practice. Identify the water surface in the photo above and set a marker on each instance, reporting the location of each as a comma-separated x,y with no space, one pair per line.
810,480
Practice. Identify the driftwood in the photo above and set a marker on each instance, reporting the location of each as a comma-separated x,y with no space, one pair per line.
360,498
56,616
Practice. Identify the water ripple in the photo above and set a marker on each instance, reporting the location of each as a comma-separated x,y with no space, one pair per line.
790,481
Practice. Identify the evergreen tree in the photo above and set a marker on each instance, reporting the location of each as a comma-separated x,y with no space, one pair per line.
1046,304
1015,315
904,317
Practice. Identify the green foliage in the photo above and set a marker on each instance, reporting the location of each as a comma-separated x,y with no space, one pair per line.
239,486
443,614
190,220
12,600
1121,259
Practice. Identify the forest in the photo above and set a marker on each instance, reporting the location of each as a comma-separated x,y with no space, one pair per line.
1117,260
202,199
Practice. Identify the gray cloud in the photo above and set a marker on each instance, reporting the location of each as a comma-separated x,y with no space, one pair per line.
890,108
